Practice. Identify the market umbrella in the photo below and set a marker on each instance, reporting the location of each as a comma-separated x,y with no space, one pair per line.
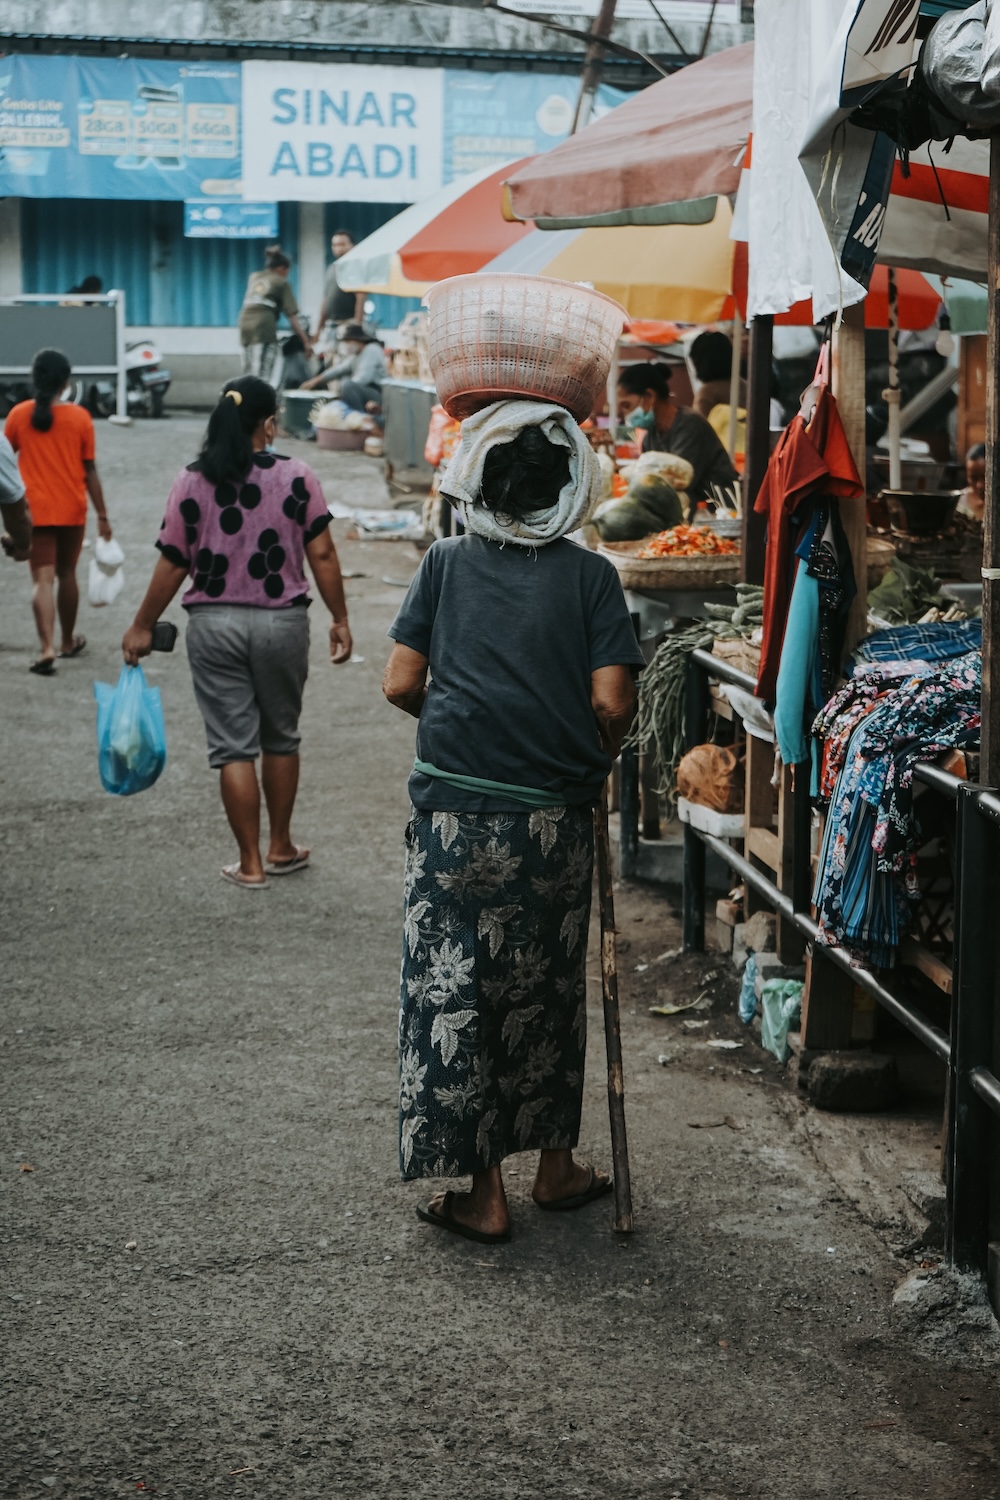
663,157
685,272
450,233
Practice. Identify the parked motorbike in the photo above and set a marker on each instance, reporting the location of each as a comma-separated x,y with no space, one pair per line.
146,386
15,388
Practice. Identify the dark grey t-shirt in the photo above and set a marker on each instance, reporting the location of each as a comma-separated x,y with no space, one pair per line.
691,437
512,635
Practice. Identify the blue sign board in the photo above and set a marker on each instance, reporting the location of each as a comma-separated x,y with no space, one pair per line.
229,219
82,127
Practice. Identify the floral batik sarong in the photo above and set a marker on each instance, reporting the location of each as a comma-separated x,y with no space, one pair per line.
493,1011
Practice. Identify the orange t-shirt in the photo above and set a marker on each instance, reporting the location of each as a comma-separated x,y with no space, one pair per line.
51,463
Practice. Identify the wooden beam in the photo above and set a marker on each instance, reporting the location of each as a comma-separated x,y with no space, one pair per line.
758,445
849,389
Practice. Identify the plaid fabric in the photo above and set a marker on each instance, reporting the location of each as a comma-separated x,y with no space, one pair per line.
922,642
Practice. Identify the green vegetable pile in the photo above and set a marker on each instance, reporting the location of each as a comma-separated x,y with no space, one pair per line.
659,724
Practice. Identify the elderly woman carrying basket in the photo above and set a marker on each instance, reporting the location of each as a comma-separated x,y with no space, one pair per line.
531,655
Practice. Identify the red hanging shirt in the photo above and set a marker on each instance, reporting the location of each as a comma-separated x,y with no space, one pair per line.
807,461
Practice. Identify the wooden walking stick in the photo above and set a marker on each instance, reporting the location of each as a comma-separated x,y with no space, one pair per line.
612,1020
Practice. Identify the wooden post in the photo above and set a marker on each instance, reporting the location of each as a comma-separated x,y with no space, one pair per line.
989,773
758,449
849,389
591,76
828,1000
612,1019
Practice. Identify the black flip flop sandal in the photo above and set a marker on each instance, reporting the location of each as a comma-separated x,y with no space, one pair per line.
79,644
452,1225
597,1187
45,667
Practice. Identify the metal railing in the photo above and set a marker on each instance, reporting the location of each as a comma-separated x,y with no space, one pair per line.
968,1053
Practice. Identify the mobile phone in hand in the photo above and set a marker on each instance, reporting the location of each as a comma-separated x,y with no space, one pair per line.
164,635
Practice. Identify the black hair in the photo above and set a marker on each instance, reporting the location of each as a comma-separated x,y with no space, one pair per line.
524,475
649,376
227,452
976,454
275,258
712,356
50,372
345,232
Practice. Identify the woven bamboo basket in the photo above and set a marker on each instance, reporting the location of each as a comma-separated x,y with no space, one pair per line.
669,572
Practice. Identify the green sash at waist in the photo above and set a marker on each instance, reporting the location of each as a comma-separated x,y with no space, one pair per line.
529,795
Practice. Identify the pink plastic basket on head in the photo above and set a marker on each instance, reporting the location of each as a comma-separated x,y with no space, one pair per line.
497,337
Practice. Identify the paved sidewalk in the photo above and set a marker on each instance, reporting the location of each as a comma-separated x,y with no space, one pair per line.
213,1280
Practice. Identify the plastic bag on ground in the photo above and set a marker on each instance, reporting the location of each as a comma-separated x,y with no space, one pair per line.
748,997
781,1004
131,740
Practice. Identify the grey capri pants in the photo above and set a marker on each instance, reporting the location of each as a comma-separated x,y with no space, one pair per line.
249,667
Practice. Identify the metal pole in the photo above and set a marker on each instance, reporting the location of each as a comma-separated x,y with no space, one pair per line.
613,396
734,383
591,75
121,417
969,1127
990,742
758,450
612,1019
693,915
891,395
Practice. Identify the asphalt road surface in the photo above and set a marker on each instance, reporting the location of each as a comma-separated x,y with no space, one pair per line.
213,1281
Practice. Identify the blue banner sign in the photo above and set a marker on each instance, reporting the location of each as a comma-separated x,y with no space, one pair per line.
81,127
226,219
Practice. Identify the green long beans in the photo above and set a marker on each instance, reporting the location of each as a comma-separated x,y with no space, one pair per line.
659,724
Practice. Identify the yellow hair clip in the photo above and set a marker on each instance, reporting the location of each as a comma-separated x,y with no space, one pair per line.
235,396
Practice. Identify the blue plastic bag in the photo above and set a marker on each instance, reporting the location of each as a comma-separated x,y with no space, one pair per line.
131,740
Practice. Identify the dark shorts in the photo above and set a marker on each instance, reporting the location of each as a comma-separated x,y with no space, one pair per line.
249,668
56,547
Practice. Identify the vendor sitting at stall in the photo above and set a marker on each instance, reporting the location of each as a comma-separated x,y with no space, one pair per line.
653,502
972,502
646,405
359,375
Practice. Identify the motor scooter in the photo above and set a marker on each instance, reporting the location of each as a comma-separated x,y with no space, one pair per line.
146,384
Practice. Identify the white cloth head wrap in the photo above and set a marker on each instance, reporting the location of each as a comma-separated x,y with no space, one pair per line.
501,423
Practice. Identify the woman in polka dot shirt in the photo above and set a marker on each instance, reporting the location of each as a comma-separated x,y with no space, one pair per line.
240,524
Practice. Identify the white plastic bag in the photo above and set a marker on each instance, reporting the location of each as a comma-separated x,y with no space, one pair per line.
107,577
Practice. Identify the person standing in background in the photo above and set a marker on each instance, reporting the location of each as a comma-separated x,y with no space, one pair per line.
267,296
339,306
54,441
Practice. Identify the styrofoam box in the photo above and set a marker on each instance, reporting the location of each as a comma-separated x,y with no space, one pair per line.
707,820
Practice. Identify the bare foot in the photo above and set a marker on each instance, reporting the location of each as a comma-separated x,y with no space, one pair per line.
287,854
559,1176
466,1208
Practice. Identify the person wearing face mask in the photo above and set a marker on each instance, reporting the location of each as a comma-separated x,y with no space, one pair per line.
646,405
360,374
240,523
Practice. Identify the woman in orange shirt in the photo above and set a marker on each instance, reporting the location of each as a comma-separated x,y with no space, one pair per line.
54,442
